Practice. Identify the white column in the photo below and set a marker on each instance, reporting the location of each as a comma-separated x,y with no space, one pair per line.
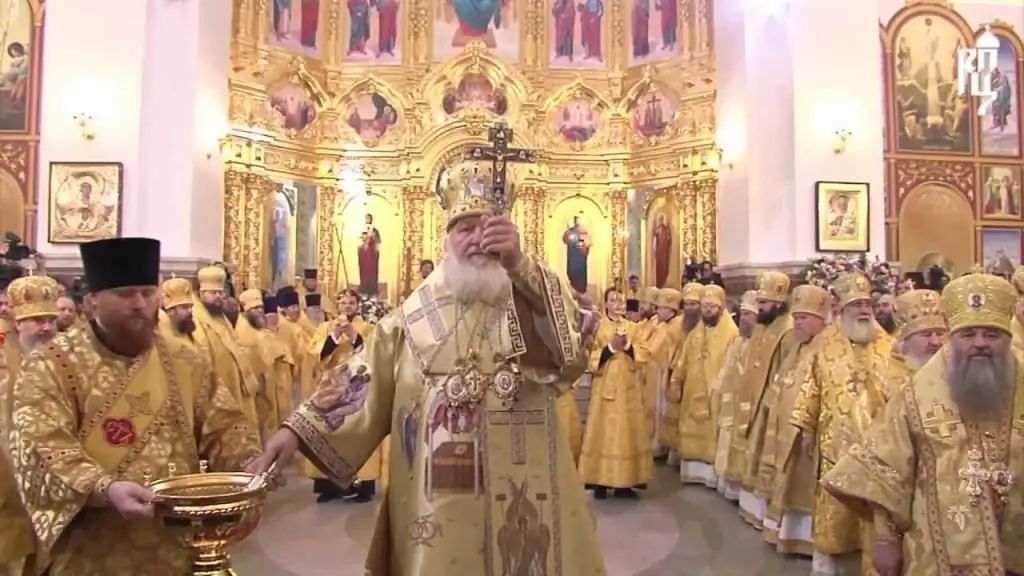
785,85
153,76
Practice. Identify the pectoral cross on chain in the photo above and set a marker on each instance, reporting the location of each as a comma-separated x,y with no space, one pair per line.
940,420
517,421
500,136
971,478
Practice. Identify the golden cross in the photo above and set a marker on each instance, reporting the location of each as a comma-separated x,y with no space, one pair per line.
499,153
972,476
939,419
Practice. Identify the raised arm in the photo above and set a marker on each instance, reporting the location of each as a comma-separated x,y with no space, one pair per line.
339,445
55,476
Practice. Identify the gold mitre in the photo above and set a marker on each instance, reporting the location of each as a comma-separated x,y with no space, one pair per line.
978,301
468,190
648,295
33,297
811,299
918,311
772,286
175,292
1018,280
692,291
251,298
852,287
749,302
712,294
667,298
211,278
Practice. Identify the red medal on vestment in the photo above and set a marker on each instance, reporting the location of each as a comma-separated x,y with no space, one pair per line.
119,431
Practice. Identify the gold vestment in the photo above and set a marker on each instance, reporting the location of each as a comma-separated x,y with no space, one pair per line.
569,421
941,482
693,375
328,305
272,366
229,362
479,488
668,431
84,417
652,332
841,393
616,448
16,540
723,394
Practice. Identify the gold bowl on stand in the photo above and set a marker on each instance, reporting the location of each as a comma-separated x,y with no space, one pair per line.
210,511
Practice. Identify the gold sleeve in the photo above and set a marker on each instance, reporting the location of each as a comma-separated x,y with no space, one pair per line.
528,282
341,451
879,473
226,437
641,351
55,476
549,294
807,408
674,390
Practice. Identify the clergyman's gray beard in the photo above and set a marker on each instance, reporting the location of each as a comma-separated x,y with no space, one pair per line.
746,330
859,330
472,284
981,385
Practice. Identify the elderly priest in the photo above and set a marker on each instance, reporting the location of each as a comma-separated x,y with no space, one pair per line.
939,471
103,408
464,376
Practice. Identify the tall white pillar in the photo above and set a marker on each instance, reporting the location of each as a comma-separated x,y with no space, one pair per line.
152,75
786,84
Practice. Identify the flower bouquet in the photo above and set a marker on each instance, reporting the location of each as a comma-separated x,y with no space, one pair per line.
373,309
824,270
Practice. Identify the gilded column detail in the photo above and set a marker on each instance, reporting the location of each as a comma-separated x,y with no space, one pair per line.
413,198
708,206
234,216
691,220
257,188
326,200
619,207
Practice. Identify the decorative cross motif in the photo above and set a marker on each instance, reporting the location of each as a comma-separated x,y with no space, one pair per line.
941,420
430,311
972,477
517,420
958,514
500,136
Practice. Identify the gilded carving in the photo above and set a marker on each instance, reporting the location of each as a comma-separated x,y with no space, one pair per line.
911,173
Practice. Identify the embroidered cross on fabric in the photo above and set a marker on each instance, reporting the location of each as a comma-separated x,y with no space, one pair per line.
939,419
517,420
430,311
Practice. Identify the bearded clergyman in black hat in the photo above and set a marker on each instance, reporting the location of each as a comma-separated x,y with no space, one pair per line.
107,406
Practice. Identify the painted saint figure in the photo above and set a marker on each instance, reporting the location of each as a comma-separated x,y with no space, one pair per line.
475,18
387,26
564,12
358,25
641,28
591,14
669,22
1002,107
662,249
282,19
369,259
577,249
310,23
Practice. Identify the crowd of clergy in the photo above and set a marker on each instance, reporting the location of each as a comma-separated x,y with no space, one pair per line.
872,445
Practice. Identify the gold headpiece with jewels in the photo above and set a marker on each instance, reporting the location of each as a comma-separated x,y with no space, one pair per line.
1018,280
979,300
251,298
33,297
648,295
712,294
175,292
692,291
811,299
918,311
749,302
211,278
772,286
467,190
852,287
668,298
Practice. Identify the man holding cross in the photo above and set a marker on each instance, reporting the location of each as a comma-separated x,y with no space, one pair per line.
464,376
938,472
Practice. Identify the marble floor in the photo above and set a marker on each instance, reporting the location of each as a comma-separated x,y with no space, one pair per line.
672,530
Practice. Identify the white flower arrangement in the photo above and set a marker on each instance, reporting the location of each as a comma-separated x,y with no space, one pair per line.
373,309
824,270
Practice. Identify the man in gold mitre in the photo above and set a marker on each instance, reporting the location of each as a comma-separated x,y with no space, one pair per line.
695,368
1017,280
176,303
215,333
787,472
270,361
768,346
938,472
616,446
728,464
81,463
33,302
663,343
920,332
841,392
668,435
485,343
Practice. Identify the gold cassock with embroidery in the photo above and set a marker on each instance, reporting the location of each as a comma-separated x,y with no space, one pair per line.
84,417
482,479
951,488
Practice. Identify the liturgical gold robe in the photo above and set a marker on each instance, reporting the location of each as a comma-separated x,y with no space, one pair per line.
272,366
841,393
229,362
16,541
616,448
84,417
668,427
939,481
569,421
481,488
725,391
651,332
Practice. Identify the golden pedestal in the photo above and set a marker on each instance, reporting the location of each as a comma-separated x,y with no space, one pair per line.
209,512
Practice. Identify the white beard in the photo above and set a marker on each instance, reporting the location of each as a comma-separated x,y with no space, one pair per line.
471,284
858,330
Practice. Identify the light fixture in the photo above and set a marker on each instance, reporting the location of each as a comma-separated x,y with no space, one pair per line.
842,135
720,152
84,122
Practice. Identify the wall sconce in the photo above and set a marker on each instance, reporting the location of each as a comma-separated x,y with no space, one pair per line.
722,158
842,135
84,122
